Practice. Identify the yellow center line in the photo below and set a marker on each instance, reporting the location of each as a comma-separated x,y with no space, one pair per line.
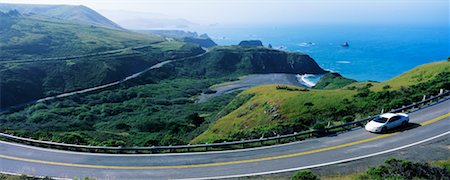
218,163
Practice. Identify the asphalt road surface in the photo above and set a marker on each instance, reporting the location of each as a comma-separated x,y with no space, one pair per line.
427,124
252,80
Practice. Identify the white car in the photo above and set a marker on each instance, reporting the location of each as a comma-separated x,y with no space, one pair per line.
387,121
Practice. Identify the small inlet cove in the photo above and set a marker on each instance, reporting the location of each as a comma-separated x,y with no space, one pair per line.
308,80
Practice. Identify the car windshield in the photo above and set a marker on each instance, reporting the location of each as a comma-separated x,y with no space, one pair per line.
380,119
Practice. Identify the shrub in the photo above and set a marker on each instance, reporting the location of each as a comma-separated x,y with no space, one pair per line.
195,119
209,91
319,126
348,119
72,138
150,125
304,175
122,126
362,92
401,169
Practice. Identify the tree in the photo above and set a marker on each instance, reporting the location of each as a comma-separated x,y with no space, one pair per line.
304,175
196,119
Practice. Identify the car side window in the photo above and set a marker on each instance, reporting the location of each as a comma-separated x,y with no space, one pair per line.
395,118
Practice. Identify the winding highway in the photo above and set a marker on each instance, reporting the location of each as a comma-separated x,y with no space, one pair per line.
99,87
429,123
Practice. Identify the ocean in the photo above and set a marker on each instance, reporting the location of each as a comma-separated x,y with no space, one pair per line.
375,53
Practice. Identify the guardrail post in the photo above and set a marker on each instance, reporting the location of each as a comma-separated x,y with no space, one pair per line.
236,145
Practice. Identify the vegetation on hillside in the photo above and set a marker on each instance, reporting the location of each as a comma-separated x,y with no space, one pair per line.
32,37
76,14
401,169
223,60
333,81
24,82
273,110
157,108
185,36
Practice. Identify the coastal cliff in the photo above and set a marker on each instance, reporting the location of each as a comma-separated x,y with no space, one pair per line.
251,43
257,60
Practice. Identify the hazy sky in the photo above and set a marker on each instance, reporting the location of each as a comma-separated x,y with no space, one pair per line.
278,11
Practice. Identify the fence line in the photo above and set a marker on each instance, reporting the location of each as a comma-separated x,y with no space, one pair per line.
214,146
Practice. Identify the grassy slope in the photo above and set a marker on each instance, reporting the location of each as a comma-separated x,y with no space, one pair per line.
153,109
23,82
37,37
79,14
292,106
26,37
333,81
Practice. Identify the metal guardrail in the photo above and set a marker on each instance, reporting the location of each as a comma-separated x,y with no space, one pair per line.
213,146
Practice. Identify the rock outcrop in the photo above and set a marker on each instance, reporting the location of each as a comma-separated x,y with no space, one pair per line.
257,60
251,43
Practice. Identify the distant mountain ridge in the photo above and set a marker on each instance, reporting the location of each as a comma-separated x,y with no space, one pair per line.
78,14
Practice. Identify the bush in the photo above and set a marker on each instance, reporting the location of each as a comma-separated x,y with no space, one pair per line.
195,119
348,119
304,175
283,87
150,125
319,126
401,169
209,91
72,138
362,92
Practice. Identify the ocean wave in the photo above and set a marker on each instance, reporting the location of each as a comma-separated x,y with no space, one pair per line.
343,62
304,79
306,44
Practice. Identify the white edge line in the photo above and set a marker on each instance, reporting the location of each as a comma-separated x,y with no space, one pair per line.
32,176
178,154
164,154
324,164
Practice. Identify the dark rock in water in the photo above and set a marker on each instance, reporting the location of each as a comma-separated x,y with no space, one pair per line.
345,44
251,43
270,46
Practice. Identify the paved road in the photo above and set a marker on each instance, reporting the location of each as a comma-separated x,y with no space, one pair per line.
99,87
434,123
252,80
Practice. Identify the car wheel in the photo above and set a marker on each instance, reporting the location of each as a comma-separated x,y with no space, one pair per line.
383,130
404,123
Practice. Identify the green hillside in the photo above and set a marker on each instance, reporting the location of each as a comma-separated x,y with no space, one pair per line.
32,36
273,110
203,40
225,60
75,14
333,81
157,108
23,82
